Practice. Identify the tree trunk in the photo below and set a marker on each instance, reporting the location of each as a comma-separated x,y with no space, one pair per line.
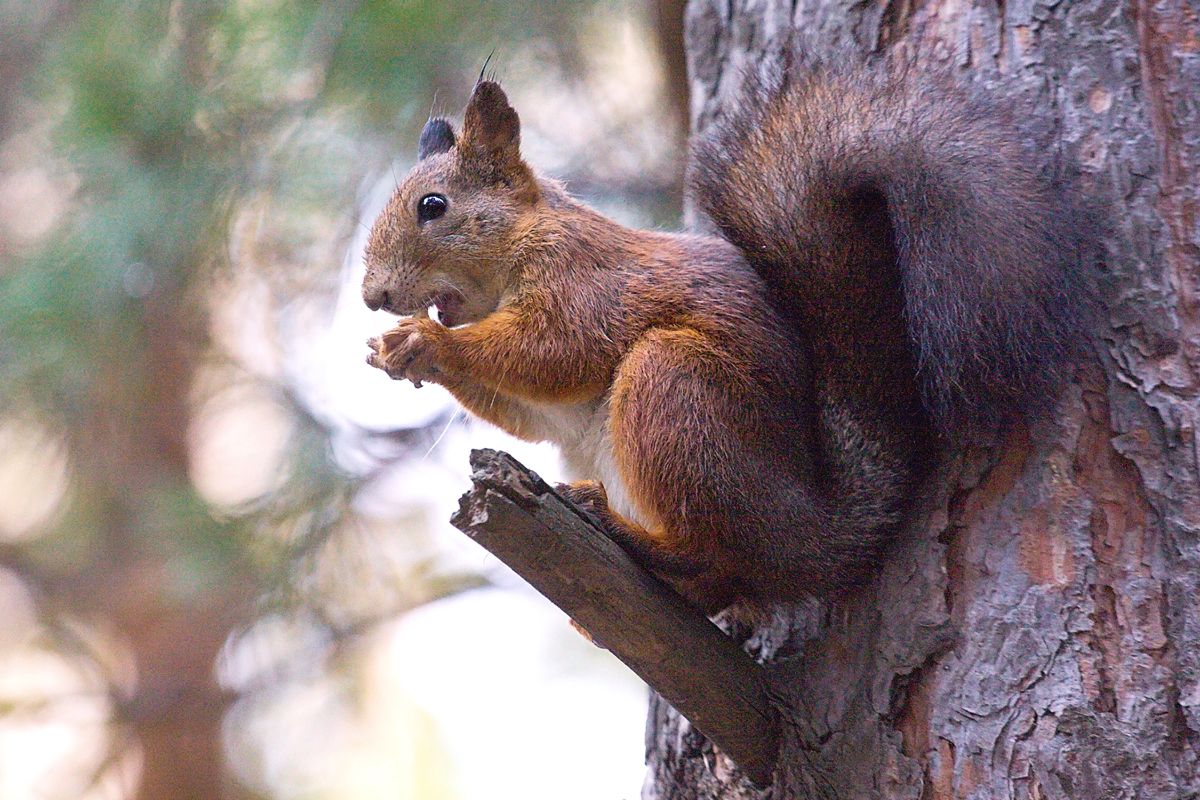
1037,633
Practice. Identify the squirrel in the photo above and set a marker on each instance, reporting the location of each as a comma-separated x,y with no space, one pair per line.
749,412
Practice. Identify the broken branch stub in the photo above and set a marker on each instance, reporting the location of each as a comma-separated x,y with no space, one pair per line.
683,656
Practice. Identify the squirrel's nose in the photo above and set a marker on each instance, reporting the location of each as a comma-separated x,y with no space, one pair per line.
375,300
374,295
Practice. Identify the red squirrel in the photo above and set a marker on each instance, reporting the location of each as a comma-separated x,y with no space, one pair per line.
749,412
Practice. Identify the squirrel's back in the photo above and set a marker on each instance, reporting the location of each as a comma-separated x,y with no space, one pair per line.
844,186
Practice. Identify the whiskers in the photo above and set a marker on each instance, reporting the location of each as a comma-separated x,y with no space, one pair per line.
454,415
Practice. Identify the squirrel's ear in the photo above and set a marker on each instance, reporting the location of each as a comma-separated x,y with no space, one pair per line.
491,127
436,137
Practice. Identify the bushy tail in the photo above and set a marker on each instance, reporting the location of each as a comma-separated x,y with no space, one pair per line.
808,164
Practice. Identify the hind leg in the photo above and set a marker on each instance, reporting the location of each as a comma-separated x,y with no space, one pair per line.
682,434
692,578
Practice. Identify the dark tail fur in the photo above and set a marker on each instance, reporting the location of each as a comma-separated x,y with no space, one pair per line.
815,173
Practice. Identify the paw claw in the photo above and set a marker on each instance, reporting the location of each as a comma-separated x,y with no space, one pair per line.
588,495
582,631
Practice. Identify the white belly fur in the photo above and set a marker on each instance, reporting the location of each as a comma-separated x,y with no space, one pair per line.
582,434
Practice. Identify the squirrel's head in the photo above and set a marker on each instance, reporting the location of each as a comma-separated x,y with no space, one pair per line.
450,234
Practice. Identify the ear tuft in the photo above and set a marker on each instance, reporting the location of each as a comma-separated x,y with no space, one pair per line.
491,128
436,137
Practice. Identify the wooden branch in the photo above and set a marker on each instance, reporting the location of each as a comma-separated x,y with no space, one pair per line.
672,646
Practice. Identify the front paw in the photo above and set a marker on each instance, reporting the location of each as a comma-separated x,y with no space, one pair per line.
408,351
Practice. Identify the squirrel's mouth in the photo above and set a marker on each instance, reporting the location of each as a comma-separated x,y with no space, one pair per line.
448,303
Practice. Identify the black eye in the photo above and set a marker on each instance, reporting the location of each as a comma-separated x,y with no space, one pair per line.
431,206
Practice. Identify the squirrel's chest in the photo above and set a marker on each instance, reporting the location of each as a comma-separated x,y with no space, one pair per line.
584,438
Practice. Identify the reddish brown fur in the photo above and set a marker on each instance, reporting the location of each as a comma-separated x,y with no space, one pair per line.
754,440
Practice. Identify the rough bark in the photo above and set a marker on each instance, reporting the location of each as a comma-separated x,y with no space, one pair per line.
1037,633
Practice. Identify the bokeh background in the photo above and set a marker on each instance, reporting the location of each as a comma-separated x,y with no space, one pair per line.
225,563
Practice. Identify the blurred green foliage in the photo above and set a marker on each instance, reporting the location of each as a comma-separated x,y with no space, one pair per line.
150,131
165,119
169,113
